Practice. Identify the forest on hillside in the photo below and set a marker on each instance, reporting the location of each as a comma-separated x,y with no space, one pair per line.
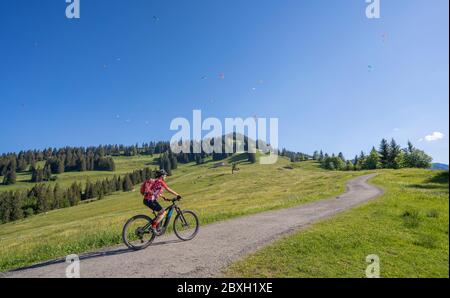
15,205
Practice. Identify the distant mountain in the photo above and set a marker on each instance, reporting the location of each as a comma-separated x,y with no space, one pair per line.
439,166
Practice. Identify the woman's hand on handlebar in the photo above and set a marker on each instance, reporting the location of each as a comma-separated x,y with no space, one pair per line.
172,200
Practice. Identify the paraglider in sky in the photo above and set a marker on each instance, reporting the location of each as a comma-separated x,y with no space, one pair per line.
222,76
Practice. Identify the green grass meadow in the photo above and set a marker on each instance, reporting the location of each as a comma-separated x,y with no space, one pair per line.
407,228
213,193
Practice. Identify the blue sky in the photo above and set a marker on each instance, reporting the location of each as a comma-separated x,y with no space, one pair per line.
123,71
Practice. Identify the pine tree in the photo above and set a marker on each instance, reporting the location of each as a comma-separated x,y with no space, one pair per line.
37,175
13,164
316,155
127,183
321,156
61,166
49,196
89,190
117,183
349,166
120,183
5,207
373,160
105,187
82,167
57,197
399,160
47,174
148,173
21,165
165,164
384,152
173,162
16,206
362,155
41,199
410,147
65,200
74,194
10,177
395,159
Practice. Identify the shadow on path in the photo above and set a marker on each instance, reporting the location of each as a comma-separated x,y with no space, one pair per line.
97,254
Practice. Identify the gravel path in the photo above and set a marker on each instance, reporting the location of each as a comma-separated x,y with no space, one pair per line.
216,246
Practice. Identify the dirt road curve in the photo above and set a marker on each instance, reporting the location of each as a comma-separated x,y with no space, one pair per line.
216,246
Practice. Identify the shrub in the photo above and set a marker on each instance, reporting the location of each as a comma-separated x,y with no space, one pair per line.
434,213
28,212
425,240
411,218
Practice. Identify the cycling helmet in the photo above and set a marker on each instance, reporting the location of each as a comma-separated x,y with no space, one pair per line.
160,173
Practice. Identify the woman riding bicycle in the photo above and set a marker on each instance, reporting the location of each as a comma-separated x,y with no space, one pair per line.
152,190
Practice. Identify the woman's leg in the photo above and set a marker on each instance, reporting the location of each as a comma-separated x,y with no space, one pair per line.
161,213
160,217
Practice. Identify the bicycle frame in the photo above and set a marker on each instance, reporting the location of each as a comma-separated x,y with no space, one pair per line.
169,215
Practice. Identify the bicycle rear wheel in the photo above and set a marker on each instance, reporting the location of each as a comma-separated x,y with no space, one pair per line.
186,225
137,234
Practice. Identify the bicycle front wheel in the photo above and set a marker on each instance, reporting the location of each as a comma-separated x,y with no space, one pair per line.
186,225
137,234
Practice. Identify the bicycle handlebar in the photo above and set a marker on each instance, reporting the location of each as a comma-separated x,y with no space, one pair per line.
172,200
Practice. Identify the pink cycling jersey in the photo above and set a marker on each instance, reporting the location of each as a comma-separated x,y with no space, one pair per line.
153,188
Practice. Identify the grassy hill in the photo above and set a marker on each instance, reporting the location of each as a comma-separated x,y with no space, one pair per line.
407,228
214,193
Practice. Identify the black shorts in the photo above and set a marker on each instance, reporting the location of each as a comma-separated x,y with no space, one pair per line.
154,205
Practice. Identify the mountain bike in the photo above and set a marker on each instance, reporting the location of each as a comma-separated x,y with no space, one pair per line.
137,233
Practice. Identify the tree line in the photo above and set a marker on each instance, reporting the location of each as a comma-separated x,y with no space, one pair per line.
295,156
19,204
68,159
99,158
169,160
389,155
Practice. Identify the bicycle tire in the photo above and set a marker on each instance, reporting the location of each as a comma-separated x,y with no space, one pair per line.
125,230
178,218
